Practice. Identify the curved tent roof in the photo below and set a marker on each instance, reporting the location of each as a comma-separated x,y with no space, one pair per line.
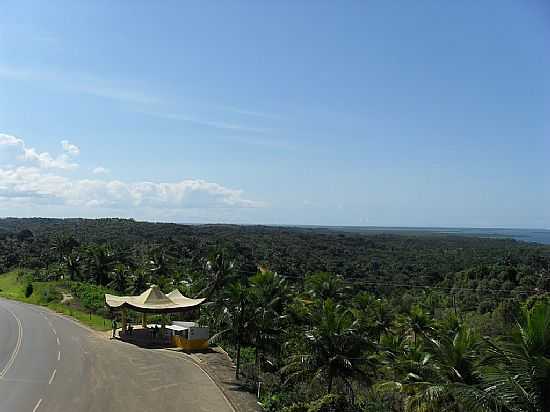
153,300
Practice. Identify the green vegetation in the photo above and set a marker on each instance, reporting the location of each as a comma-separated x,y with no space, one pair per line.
317,319
91,297
19,285
12,287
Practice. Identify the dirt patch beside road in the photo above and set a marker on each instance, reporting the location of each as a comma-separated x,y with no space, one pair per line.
220,368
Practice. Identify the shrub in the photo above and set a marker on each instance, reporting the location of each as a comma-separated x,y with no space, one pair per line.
49,294
91,297
28,290
486,306
24,277
327,403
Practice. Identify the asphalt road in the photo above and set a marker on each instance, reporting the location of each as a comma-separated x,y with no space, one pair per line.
51,363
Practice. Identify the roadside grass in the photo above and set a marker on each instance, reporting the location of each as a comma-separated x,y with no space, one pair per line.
90,319
47,294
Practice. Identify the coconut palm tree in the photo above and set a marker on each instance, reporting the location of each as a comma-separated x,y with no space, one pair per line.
100,263
419,322
63,246
72,262
140,281
269,294
232,313
324,285
518,370
455,369
441,371
513,377
119,280
374,315
220,270
159,268
334,349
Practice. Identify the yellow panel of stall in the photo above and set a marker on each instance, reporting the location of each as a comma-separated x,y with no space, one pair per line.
190,345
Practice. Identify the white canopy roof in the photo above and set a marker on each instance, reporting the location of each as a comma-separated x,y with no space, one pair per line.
153,300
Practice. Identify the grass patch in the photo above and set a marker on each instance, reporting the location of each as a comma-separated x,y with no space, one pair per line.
11,287
14,284
90,319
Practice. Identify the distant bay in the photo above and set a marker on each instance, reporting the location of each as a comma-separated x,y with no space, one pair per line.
526,235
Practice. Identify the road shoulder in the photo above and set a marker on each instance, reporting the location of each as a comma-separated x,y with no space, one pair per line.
221,370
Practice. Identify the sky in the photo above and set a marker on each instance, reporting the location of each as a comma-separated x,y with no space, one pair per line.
361,113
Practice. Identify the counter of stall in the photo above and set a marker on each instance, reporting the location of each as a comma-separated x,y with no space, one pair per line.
186,335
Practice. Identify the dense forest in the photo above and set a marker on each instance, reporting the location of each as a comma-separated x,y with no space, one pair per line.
328,320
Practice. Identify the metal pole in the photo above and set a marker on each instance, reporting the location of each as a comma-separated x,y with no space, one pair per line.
124,321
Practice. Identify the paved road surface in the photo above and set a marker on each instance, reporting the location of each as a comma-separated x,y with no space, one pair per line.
50,363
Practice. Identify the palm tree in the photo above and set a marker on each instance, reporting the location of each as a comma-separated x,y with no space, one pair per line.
140,281
513,377
419,322
374,315
63,246
119,280
521,378
440,372
334,349
159,267
457,360
269,294
401,359
100,263
72,262
324,285
232,315
220,270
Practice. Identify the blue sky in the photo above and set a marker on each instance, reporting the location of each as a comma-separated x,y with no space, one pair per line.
289,112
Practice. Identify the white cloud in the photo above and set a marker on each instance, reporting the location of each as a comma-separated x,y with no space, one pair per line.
38,185
32,182
9,140
70,148
43,159
100,170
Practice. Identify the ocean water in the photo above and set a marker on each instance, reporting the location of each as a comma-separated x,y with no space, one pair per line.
527,235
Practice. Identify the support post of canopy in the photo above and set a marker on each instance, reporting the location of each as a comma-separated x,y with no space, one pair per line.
124,320
144,320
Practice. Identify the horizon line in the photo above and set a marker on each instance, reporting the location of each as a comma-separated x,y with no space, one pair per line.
391,227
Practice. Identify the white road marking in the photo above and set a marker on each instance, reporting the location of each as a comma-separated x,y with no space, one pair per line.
59,355
37,405
53,376
17,345
54,332
58,341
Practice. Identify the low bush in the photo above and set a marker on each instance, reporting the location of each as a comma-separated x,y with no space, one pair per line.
49,294
29,290
327,403
91,297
